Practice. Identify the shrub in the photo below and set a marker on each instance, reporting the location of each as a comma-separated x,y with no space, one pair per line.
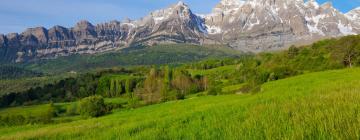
133,102
180,96
214,90
72,110
12,120
92,106
46,117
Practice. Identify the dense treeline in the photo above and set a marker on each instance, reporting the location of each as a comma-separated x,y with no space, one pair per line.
157,84
117,85
68,89
166,84
13,72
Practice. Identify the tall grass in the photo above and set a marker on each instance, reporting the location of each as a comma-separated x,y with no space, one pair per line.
321,105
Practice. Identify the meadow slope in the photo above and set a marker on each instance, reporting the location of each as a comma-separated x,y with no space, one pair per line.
323,105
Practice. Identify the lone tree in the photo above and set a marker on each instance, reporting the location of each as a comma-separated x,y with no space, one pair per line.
351,53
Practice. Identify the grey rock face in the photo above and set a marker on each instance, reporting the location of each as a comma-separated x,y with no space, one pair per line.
60,37
354,15
2,40
176,24
247,25
262,25
84,31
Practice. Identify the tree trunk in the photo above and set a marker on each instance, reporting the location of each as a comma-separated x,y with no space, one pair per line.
349,60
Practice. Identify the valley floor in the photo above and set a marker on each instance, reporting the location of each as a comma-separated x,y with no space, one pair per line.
323,105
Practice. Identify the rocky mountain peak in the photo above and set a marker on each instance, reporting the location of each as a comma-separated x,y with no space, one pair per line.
182,9
40,33
327,5
181,3
57,27
83,25
84,30
280,21
2,40
174,24
228,6
247,25
59,33
312,4
354,15
179,10
12,36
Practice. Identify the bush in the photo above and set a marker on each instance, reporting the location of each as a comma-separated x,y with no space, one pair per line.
12,120
72,110
134,102
180,96
92,106
46,117
214,90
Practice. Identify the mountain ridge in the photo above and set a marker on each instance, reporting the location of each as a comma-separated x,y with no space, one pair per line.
245,25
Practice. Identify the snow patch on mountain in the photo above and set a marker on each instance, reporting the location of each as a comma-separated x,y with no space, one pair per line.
213,29
354,15
227,7
312,3
315,20
345,29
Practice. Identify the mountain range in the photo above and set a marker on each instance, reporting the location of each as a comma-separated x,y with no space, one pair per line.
244,25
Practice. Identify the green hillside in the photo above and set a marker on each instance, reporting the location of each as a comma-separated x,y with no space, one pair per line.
21,77
155,55
323,105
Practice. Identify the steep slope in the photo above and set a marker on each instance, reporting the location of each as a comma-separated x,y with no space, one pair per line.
320,105
260,25
36,43
354,15
246,25
176,24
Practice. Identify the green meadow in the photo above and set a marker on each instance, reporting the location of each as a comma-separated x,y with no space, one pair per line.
322,105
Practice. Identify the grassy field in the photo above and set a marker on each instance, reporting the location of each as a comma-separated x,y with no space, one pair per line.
36,110
232,88
322,105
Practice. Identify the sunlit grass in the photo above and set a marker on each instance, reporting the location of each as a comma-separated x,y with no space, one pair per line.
232,88
321,105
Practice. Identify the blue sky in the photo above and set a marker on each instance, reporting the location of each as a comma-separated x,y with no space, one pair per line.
17,15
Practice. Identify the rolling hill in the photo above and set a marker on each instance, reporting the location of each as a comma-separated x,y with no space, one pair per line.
321,105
